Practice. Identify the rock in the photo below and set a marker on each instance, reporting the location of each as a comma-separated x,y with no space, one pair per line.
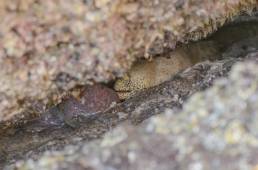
98,98
216,129
87,126
93,100
91,41
74,112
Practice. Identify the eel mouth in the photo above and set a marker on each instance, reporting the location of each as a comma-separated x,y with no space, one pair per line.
123,91
123,94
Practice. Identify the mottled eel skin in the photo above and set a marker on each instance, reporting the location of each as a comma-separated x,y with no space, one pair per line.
145,74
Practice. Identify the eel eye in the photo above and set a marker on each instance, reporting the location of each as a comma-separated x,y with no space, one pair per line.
127,77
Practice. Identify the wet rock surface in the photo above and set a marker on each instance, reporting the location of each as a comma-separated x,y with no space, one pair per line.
216,129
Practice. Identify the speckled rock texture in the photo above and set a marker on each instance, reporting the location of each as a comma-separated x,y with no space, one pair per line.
73,122
48,47
216,129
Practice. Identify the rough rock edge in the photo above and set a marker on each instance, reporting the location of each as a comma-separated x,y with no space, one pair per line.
217,129
129,30
16,143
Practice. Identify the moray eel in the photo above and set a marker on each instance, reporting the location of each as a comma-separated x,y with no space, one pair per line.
145,74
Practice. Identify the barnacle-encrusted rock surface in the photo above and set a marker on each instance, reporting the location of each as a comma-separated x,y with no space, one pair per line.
217,129
49,46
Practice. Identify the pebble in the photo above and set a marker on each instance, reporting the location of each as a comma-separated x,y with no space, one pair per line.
98,98
92,100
